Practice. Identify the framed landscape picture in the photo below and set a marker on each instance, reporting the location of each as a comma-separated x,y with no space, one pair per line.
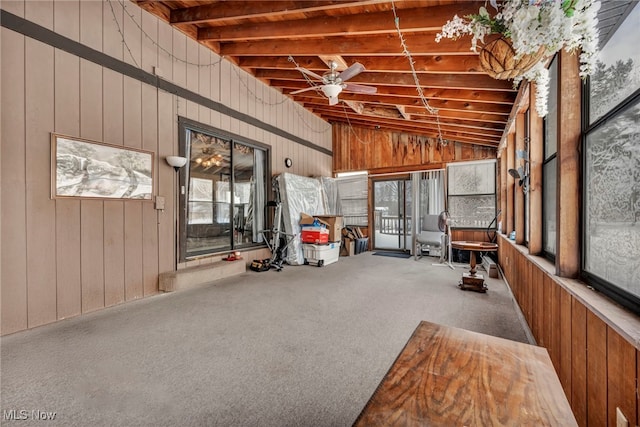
82,168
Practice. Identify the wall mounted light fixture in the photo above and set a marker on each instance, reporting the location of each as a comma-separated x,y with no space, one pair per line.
176,161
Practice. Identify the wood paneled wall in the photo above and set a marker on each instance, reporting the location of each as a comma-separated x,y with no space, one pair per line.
598,367
61,258
378,151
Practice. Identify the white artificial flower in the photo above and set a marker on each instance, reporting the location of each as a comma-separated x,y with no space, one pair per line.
532,25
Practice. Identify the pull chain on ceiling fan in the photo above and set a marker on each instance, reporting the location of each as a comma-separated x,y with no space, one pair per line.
333,82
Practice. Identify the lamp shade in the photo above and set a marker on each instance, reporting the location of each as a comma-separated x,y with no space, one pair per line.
176,161
331,90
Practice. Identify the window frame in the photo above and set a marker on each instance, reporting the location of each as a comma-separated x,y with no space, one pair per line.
492,223
616,293
185,125
545,161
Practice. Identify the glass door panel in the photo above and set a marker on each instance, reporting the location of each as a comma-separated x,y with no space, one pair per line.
392,221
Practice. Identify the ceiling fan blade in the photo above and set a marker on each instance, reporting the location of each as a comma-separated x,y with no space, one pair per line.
352,71
360,88
333,100
295,92
309,73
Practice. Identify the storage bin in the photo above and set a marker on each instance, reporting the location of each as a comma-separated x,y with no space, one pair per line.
362,245
321,254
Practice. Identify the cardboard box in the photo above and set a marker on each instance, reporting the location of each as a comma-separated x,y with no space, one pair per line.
348,247
314,221
334,224
315,235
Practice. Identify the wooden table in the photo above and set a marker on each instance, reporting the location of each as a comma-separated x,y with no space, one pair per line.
472,280
452,377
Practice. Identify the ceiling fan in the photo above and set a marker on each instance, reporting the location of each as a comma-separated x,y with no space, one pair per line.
333,82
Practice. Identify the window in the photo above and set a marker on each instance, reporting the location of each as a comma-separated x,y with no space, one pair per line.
223,205
353,193
611,222
472,194
549,166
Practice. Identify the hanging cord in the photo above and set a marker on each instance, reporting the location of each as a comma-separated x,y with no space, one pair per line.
124,42
361,141
405,51
171,55
211,64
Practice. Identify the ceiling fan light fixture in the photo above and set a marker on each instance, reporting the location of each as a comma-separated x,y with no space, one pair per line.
331,90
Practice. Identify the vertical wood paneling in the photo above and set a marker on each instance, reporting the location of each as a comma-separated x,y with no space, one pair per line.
40,213
193,77
546,310
91,211
566,340
579,361
92,255
132,17
16,7
204,82
359,149
535,177
91,24
166,182
535,308
529,295
90,101
112,96
66,19
150,248
621,377
114,255
67,122
148,48
180,55
596,371
113,120
13,279
68,277
112,25
568,160
40,12
133,248
165,46
555,323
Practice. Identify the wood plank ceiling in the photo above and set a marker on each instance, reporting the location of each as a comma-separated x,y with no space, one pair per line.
261,36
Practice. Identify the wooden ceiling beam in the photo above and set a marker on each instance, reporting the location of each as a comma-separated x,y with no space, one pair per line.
233,10
493,97
493,134
342,25
450,81
466,123
415,102
384,45
441,64
417,130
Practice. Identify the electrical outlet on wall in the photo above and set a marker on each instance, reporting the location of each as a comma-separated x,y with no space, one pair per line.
621,420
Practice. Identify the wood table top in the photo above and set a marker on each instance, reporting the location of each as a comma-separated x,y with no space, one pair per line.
474,246
447,376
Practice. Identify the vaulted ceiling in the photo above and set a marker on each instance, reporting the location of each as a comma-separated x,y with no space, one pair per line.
262,36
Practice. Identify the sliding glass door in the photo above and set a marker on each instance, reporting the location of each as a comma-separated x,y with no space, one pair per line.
392,214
